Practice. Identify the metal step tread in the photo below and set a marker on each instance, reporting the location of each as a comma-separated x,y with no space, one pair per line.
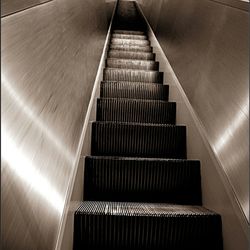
136,110
137,90
125,225
142,180
142,159
142,209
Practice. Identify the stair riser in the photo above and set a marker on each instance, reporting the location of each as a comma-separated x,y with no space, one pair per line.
138,140
131,55
131,48
123,110
132,64
94,232
132,76
142,181
134,91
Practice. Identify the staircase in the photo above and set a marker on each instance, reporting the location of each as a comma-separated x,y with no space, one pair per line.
140,191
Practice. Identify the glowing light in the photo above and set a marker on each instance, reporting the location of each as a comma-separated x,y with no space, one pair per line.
231,129
28,172
36,121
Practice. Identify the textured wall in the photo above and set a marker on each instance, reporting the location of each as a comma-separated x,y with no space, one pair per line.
206,43
50,55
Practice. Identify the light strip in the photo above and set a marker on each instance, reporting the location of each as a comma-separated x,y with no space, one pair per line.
59,145
22,167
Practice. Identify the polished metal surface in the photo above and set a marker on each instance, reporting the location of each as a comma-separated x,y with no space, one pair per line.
50,56
206,43
12,6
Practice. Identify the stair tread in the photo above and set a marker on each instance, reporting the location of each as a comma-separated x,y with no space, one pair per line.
134,84
134,100
123,158
139,124
142,209
151,226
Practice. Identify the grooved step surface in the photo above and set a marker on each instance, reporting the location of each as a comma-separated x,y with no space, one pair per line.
131,75
114,225
142,180
131,55
135,110
132,64
129,32
130,36
130,41
140,140
131,48
134,90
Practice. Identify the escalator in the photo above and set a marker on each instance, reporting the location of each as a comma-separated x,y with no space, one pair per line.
140,190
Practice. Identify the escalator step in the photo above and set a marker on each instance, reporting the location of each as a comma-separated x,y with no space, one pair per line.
131,48
131,55
130,36
129,32
135,110
134,90
131,75
137,42
132,64
142,180
138,140
120,226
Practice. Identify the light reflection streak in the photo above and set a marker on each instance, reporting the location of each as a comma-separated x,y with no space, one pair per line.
231,129
36,121
21,166
20,163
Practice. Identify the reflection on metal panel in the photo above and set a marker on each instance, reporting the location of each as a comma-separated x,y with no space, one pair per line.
50,56
12,6
206,42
